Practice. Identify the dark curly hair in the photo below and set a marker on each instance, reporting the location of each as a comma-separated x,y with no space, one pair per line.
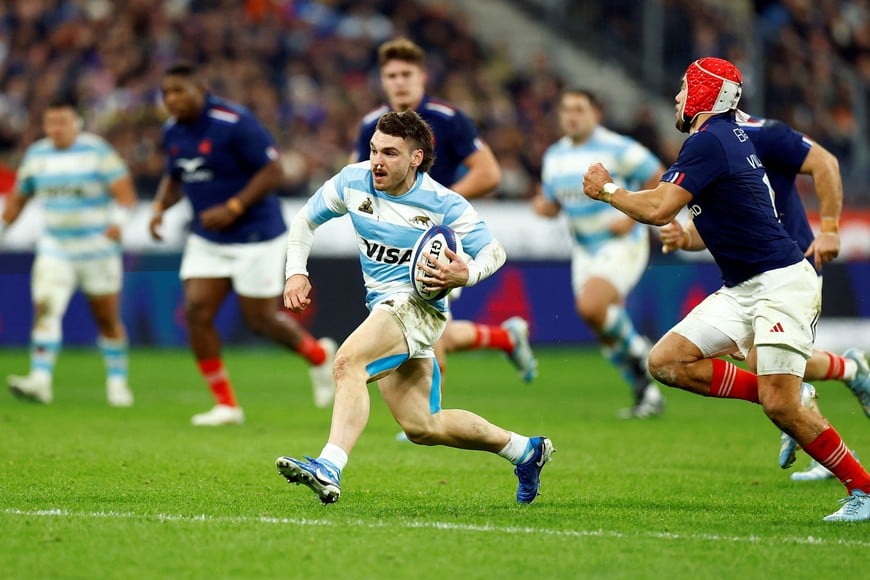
410,126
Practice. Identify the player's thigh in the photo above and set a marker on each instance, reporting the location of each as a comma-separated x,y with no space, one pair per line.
100,277
258,268
621,262
718,326
52,283
413,392
374,349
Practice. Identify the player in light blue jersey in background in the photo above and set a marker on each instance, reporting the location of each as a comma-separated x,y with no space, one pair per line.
610,249
86,194
392,201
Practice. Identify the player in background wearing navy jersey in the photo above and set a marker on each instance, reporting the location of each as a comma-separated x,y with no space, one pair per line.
87,196
226,163
771,297
465,164
394,344
787,153
610,250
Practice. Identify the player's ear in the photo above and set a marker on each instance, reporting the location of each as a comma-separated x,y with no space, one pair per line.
417,158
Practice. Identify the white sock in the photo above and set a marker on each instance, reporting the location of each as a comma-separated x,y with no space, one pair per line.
335,455
517,449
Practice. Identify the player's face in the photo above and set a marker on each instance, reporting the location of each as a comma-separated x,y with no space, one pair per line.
394,164
679,107
404,83
578,117
182,97
61,125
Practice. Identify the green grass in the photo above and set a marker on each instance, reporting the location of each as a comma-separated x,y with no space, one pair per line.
87,491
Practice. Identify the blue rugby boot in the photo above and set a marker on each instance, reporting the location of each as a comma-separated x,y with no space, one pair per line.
529,472
319,475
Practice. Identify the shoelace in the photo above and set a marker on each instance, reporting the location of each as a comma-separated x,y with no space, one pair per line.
852,504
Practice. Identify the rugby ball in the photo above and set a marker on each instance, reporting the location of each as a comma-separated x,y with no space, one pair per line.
434,241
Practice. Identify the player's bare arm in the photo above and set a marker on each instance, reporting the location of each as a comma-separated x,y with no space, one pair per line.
124,193
14,206
483,174
263,182
824,168
657,206
624,225
168,194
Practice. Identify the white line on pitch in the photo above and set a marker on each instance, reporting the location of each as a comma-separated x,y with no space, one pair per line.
484,528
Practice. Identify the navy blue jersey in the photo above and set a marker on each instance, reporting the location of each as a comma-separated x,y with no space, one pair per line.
455,137
783,150
214,158
732,203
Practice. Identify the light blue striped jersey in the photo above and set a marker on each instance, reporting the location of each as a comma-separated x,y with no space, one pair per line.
630,164
387,227
73,187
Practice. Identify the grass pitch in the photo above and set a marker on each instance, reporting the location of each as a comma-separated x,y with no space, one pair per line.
87,491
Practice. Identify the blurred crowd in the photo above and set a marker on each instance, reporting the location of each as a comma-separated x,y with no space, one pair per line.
308,70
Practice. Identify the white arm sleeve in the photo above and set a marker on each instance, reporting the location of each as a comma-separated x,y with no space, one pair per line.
489,259
299,241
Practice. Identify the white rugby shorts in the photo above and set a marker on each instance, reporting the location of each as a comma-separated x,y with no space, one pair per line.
53,275
421,324
776,308
256,270
620,261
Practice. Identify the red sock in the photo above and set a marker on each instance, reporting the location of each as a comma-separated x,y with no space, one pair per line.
492,337
731,382
218,381
836,366
829,450
311,350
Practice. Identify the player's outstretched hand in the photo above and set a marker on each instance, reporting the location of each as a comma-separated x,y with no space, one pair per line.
296,291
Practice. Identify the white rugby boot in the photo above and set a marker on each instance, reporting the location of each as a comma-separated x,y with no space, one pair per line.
219,415
35,387
322,381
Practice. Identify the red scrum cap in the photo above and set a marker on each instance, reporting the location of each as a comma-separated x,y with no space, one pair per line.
713,85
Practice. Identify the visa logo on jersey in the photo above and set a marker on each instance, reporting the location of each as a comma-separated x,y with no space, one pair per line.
387,254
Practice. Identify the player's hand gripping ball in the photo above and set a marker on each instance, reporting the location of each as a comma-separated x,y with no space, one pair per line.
433,242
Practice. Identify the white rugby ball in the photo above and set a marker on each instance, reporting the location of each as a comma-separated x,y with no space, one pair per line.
433,241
